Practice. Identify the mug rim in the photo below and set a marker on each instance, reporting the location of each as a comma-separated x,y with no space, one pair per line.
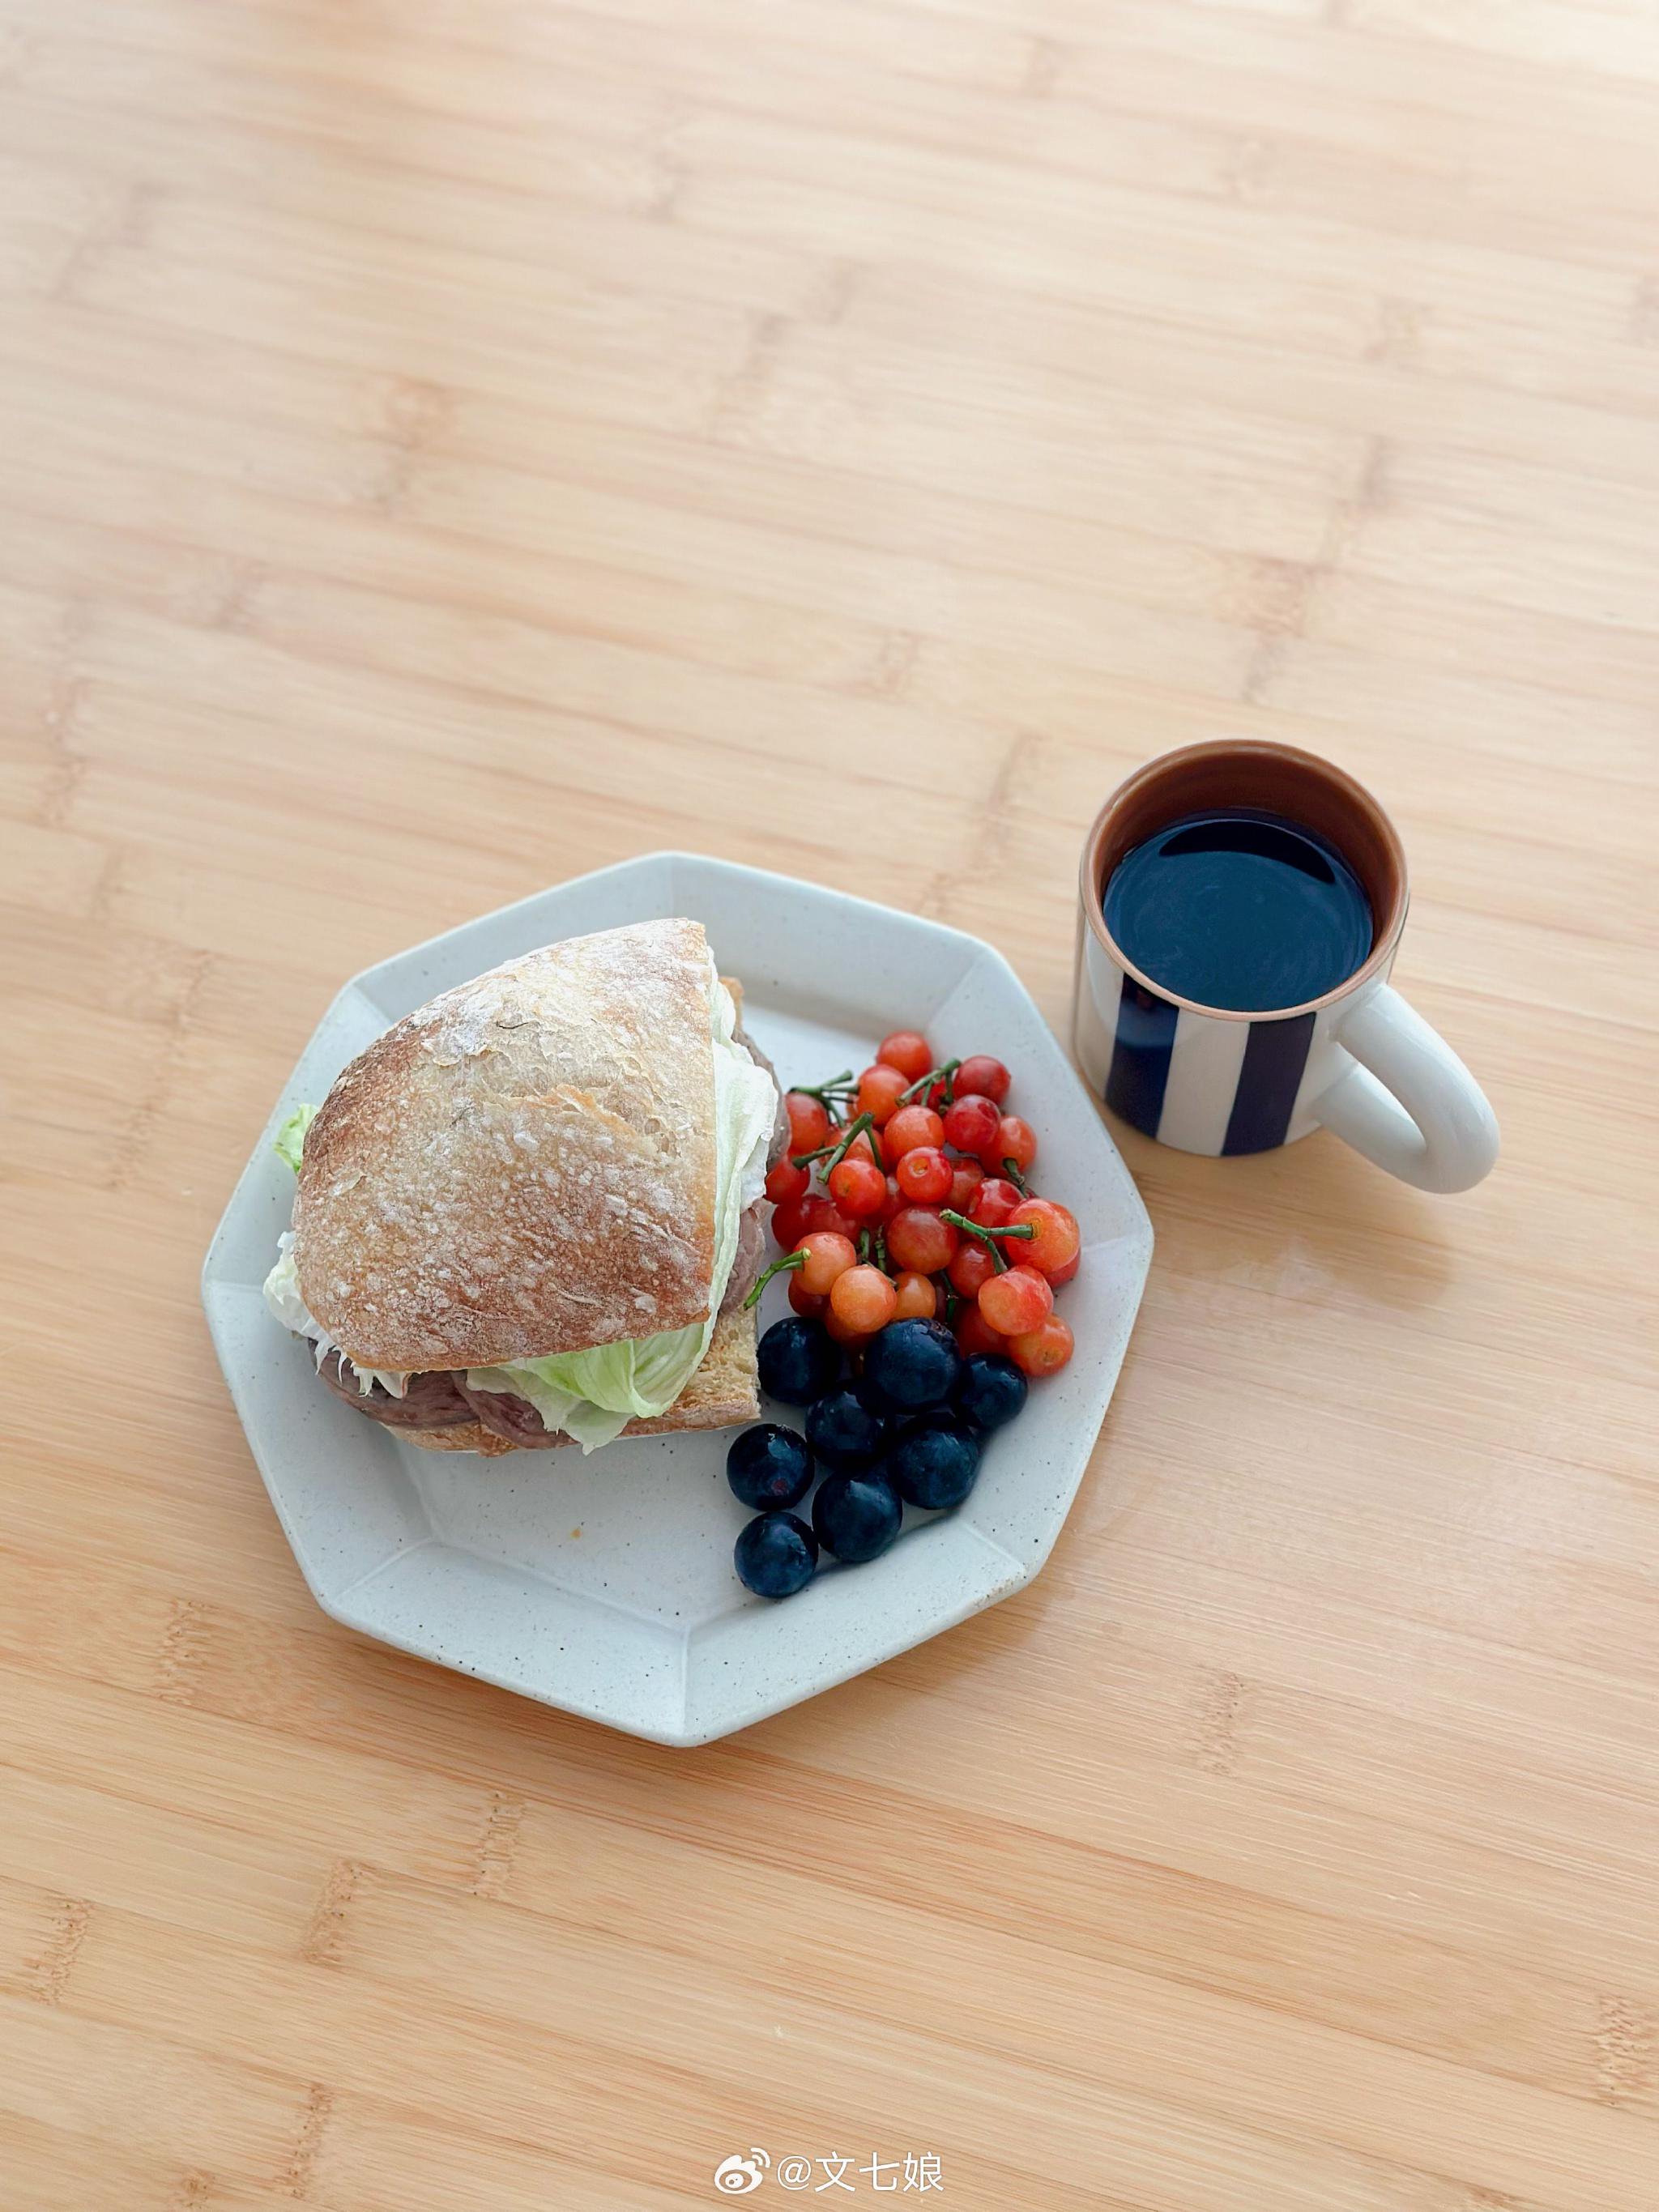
1388,926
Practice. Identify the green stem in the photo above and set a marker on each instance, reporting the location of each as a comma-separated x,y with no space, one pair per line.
858,1125
1024,1232
836,1086
945,1074
1011,1169
789,1261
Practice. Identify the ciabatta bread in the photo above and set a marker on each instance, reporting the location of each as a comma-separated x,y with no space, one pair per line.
524,1167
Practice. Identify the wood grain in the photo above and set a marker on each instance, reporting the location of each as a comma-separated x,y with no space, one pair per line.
450,444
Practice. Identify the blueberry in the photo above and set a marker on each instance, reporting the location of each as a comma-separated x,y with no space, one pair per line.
856,1516
934,1462
775,1554
768,1466
992,1390
798,1361
843,1433
911,1365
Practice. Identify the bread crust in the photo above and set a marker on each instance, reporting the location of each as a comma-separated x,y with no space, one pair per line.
722,1393
524,1166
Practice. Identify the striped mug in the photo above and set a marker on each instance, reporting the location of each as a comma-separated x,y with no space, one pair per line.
1357,1060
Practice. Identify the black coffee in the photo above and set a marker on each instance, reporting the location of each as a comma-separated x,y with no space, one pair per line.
1240,909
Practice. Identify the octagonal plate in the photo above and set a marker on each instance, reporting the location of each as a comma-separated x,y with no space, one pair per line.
605,1585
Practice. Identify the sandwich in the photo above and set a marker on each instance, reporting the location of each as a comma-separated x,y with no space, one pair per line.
530,1213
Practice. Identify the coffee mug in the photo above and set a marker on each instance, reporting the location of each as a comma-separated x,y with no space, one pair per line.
1355,1059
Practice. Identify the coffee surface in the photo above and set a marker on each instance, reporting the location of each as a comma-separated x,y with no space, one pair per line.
1239,909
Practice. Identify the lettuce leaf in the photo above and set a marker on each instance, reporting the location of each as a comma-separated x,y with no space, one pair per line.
290,1141
593,1394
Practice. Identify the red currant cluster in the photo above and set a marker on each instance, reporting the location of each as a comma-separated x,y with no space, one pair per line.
904,1195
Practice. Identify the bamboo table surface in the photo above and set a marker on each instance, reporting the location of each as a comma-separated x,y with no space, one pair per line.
448,444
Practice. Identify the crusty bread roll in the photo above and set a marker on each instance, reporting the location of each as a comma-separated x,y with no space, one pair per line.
723,1393
524,1167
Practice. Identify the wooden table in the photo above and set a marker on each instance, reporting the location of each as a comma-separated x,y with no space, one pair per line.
447,444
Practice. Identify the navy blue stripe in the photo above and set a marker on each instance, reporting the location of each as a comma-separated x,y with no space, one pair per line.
1140,1056
1275,1055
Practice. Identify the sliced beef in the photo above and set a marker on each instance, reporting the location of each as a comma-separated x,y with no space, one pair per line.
505,1415
441,1399
433,1401
750,1260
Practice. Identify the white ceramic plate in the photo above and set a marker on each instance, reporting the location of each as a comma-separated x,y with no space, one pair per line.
606,1585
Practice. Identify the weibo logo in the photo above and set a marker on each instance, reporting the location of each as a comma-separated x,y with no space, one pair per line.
736,2176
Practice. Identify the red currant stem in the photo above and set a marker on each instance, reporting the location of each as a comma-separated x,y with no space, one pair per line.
952,1306
881,1251
858,1126
805,1159
934,1075
1011,1169
790,1259
836,1086
864,1248
1024,1230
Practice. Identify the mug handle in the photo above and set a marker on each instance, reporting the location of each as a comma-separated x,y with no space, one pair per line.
1410,1105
